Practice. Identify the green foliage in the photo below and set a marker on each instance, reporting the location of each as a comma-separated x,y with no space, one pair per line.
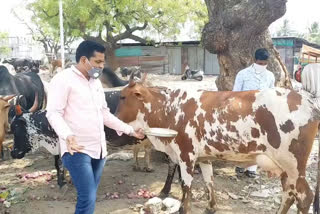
285,29
314,33
114,20
4,42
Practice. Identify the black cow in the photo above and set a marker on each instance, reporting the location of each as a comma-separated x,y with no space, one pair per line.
32,131
110,79
27,84
21,65
125,72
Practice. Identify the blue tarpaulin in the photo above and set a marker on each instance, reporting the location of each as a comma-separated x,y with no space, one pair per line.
122,52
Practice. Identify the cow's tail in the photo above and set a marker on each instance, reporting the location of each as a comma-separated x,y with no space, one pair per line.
44,104
316,195
45,96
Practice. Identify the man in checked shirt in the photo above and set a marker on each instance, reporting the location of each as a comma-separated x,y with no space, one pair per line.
77,111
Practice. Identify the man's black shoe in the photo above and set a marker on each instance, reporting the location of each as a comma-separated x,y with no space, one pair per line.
250,174
239,170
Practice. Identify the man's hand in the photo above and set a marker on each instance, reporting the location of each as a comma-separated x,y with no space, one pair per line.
138,133
72,145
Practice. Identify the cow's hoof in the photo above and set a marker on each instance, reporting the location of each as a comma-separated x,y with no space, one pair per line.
181,211
163,195
61,184
147,169
136,169
210,211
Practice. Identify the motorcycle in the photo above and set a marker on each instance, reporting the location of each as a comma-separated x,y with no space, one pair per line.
192,74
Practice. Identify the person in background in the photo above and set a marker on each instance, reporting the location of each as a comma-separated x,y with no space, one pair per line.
254,77
77,111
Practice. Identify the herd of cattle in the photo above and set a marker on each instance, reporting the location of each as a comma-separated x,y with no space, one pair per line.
22,65
274,129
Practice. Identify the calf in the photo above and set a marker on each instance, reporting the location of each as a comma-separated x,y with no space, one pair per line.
57,63
112,98
274,129
4,125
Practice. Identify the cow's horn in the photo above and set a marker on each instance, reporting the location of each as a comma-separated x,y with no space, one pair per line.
9,97
17,101
144,77
35,104
131,78
132,83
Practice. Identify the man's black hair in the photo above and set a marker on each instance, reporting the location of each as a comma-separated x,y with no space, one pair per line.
261,54
87,49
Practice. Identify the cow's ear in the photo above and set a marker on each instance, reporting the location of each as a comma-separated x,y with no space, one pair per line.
6,106
138,95
9,97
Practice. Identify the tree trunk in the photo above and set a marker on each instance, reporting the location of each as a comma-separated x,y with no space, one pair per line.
235,30
111,60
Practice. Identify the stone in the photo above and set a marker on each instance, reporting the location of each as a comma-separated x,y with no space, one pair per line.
277,200
153,205
7,204
233,196
261,194
172,205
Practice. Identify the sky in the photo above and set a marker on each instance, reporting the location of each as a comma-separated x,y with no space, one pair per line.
299,13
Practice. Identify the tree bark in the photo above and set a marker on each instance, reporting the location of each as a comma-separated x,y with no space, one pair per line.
111,60
235,30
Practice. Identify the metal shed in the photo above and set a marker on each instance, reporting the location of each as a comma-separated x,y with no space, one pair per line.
170,57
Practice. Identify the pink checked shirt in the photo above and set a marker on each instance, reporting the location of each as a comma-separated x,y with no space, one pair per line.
77,107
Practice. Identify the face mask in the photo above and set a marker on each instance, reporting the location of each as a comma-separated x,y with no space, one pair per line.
259,68
94,72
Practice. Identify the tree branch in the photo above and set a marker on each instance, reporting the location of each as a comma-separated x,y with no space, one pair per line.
138,39
140,28
129,31
94,38
46,13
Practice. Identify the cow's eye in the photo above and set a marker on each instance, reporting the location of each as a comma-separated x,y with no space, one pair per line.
122,98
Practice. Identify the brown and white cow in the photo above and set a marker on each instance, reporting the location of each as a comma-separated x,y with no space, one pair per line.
274,129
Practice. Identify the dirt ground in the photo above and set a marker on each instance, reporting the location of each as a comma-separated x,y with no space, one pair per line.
31,186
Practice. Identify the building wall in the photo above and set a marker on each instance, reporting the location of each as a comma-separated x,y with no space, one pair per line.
173,58
168,59
285,47
287,56
22,47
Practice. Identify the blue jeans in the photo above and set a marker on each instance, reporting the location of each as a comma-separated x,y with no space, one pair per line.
85,173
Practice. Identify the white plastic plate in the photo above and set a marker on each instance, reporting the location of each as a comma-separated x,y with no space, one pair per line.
160,132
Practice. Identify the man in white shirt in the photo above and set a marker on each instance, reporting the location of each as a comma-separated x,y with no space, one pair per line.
254,77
